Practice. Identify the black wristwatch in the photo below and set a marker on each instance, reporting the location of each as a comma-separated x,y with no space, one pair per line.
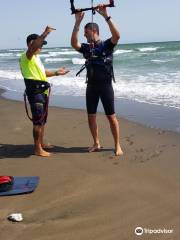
107,19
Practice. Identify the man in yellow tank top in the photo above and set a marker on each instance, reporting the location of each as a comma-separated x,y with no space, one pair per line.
35,77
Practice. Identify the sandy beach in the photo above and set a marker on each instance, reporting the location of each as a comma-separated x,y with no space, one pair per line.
89,196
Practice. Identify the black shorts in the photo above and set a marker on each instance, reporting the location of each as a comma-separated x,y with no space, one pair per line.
104,92
39,108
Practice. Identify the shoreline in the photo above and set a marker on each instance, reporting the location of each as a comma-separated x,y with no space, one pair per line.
148,115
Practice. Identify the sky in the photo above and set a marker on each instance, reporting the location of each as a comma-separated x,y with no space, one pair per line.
137,20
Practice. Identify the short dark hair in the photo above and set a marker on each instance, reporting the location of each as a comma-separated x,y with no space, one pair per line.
92,25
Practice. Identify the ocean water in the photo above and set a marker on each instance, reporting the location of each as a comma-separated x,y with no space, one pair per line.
146,73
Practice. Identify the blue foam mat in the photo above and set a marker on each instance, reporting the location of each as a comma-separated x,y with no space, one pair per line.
22,185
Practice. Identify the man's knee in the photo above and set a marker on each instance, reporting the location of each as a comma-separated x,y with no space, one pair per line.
92,116
112,118
92,119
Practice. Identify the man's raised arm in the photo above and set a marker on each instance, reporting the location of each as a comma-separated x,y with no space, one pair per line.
114,31
37,43
74,38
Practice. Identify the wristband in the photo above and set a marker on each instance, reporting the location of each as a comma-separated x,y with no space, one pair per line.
76,28
56,73
107,19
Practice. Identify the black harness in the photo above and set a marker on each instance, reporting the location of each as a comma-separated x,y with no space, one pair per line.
35,86
98,58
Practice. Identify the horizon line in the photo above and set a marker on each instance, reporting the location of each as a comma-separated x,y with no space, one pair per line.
128,43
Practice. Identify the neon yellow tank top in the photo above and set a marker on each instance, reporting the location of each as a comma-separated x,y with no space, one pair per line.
32,69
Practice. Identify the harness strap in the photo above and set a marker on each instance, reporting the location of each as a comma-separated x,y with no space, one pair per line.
113,77
84,66
81,69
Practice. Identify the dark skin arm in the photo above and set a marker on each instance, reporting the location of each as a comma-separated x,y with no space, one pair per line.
34,45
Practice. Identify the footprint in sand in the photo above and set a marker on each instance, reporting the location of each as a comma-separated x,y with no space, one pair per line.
140,150
115,163
128,139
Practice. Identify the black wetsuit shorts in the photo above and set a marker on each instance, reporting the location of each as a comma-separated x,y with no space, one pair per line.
39,108
104,92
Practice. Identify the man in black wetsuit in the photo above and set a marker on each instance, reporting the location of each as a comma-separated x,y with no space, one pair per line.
99,57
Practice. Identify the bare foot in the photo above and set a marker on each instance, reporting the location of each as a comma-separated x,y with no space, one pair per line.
95,148
118,151
47,146
42,153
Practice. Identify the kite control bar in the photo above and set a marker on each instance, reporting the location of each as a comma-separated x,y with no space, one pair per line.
74,10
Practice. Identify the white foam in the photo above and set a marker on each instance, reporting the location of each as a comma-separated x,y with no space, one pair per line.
160,61
177,53
155,88
71,86
148,89
80,61
15,50
18,54
117,52
65,49
57,59
148,49
55,54
6,54
44,55
10,74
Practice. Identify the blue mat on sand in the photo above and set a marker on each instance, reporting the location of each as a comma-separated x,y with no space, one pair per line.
22,185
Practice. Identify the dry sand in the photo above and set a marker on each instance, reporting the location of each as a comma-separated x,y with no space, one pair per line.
89,196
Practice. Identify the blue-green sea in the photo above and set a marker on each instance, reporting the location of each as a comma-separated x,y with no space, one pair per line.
146,73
